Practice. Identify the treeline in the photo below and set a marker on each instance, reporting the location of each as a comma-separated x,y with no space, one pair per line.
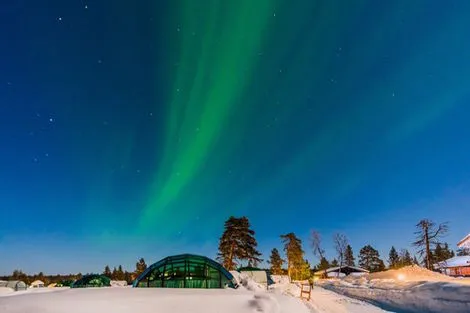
66,280
238,245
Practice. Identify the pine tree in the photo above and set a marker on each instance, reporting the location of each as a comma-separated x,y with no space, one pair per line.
324,264
415,260
107,271
114,274
140,266
334,263
369,259
305,270
295,254
447,253
238,243
349,256
128,277
276,262
119,273
405,258
393,258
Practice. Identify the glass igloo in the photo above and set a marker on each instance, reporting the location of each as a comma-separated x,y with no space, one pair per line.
185,271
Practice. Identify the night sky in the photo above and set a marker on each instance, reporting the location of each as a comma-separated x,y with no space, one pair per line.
135,128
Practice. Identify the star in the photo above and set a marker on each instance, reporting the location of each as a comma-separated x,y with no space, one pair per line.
51,120
59,18
86,6
46,155
151,114
99,61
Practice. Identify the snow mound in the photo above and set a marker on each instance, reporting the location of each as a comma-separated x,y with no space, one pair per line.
409,289
6,290
280,279
410,273
247,281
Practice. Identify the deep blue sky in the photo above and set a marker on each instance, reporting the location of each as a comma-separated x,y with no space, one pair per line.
136,129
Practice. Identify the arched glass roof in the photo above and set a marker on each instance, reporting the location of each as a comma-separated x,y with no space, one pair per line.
185,271
93,280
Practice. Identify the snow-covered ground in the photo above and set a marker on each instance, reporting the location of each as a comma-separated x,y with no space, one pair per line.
248,298
408,290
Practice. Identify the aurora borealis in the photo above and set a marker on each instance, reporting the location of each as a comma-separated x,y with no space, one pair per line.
149,123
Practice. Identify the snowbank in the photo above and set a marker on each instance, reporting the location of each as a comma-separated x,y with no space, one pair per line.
410,273
281,279
143,300
407,290
247,281
5,291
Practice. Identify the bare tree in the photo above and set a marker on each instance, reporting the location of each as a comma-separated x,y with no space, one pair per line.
315,240
341,243
428,235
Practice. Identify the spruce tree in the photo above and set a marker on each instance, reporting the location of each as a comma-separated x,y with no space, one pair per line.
294,253
447,253
276,262
238,243
140,266
120,273
305,271
334,263
349,256
369,259
324,264
393,258
107,271
405,258
415,260
114,274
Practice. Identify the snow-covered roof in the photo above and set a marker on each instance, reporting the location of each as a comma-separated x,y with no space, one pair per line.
455,261
37,282
342,268
465,242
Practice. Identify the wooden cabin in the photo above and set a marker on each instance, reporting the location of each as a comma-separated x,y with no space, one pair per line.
456,266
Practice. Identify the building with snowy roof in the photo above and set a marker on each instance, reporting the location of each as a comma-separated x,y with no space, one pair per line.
185,271
37,284
456,266
340,271
464,243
